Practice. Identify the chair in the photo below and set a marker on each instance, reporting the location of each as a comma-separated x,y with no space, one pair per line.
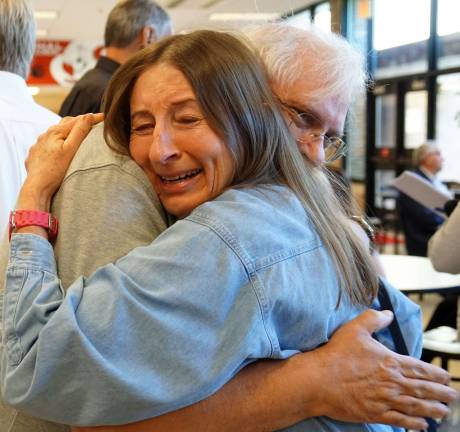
442,342
389,228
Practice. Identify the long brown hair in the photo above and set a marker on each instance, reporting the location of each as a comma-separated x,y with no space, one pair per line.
232,90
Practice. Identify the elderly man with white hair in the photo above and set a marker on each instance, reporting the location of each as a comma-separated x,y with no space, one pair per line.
353,378
21,119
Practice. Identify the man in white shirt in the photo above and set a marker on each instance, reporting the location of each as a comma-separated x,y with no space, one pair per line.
21,119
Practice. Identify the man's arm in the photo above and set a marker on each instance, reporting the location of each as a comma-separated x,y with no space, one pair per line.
444,247
352,378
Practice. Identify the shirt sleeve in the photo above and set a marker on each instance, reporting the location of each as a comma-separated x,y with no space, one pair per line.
444,246
409,318
154,332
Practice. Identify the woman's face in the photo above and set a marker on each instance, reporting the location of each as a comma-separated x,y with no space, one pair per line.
186,162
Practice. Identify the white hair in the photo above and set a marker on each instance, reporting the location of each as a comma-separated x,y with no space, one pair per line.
420,153
17,36
330,61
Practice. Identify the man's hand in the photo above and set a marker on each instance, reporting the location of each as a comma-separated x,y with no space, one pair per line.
363,381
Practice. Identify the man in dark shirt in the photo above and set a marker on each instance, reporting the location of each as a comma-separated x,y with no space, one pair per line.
419,222
131,25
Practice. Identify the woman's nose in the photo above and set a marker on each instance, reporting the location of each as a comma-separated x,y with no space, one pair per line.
163,148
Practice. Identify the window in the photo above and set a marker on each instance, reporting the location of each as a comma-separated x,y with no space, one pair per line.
385,196
448,125
385,114
322,17
449,33
401,31
318,14
301,20
415,126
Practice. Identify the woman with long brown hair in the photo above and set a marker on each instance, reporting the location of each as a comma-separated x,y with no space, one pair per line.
260,264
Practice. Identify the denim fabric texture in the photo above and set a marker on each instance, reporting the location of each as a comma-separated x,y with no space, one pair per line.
244,277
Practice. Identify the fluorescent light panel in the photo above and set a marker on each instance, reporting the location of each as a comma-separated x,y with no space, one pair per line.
41,33
243,16
46,14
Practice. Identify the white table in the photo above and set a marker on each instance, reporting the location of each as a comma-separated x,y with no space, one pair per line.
413,274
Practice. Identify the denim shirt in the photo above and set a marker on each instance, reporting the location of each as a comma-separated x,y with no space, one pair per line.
244,277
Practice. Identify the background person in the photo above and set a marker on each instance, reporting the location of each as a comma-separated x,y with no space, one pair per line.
21,119
185,156
131,26
419,223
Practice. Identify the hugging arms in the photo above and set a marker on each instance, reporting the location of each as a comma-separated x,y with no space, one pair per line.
88,296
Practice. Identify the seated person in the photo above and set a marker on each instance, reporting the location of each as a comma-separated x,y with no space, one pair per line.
419,223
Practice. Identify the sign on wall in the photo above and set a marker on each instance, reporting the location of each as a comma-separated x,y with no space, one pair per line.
62,62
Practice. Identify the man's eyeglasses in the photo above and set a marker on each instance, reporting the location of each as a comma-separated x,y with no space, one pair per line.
334,146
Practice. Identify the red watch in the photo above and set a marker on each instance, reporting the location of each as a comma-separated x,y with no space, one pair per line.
23,218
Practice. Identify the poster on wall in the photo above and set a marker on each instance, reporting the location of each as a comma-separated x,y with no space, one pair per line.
62,62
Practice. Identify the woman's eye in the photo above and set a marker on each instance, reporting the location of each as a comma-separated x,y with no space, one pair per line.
145,128
188,120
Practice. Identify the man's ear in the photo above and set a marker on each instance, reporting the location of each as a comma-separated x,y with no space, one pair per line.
148,36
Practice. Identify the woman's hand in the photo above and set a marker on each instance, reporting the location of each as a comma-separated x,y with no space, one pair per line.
50,158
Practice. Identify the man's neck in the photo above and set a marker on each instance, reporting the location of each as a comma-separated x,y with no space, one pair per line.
430,174
119,55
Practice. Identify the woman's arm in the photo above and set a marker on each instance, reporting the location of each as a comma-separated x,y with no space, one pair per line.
444,245
378,386
371,368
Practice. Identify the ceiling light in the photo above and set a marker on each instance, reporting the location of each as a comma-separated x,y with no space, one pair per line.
243,16
46,14
41,33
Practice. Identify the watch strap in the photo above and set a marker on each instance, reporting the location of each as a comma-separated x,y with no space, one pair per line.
24,218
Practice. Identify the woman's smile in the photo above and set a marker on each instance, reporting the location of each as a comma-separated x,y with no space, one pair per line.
178,182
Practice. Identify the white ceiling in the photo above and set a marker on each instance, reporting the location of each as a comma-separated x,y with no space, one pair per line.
85,19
